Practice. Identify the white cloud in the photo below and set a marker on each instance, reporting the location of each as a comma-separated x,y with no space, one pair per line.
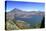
8,10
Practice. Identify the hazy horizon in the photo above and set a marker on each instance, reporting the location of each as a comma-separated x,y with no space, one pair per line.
24,6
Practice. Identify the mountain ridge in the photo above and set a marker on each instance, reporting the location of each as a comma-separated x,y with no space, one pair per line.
23,14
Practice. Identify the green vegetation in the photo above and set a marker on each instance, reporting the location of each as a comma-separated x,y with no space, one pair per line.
23,25
17,24
10,25
36,25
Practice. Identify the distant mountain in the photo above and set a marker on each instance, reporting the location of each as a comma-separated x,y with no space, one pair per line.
23,14
18,19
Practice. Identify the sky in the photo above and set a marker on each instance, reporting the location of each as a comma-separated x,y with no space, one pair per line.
28,0
24,6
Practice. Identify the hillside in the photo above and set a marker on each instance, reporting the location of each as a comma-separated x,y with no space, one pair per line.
13,23
19,13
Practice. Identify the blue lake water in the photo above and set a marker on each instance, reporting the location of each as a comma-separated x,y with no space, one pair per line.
33,20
